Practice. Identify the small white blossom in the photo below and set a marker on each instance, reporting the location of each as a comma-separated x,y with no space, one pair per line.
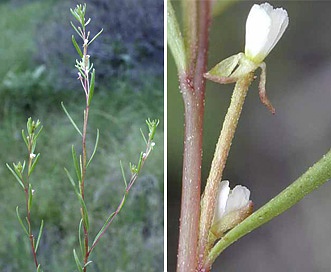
264,27
32,156
230,200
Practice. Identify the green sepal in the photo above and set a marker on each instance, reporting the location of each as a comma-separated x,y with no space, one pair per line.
231,69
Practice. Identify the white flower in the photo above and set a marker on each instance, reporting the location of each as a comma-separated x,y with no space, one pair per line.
264,27
230,200
32,156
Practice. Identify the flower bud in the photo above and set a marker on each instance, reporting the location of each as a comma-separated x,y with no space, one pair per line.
232,207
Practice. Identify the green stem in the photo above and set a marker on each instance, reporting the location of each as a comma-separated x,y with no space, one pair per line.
219,161
315,176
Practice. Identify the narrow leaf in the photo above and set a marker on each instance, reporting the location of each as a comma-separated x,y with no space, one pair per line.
103,227
33,164
123,174
71,180
25,138
80,236
142,133
96,36
76,46
91,92
175,39
30,197
76,164
71,120
37,135
15,175
95,148
40,233
21,222
79,266
89,262
85,214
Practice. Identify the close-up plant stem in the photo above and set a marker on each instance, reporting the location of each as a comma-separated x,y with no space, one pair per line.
192,85
218,164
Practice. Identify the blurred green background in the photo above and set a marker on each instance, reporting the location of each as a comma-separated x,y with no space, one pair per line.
36,73
268,152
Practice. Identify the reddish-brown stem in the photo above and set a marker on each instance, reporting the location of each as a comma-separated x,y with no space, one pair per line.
28,216
192,85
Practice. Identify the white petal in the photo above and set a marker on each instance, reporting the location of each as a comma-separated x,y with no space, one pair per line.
222,198
238,198
264,27
258,26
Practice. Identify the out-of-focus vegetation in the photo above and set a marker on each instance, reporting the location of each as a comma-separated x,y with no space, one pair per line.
36,73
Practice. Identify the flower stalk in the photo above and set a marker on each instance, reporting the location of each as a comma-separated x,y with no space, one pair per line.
208,201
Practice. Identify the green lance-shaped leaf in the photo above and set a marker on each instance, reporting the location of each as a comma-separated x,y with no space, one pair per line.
80,233
95,148
76,164
123,174
25,138
38,133
71,120
76,46
75,14
175,39
84,213
79,266
103,228
30,195
71,180
89,262
39,268
29,126
39,234
96,36
15,175
34,164
21,222
142,134
91,92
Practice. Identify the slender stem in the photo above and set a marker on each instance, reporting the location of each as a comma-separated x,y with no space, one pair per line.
191,182
314,177
192,84
219,161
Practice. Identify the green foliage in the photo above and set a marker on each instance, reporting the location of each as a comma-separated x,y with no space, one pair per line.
137,234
